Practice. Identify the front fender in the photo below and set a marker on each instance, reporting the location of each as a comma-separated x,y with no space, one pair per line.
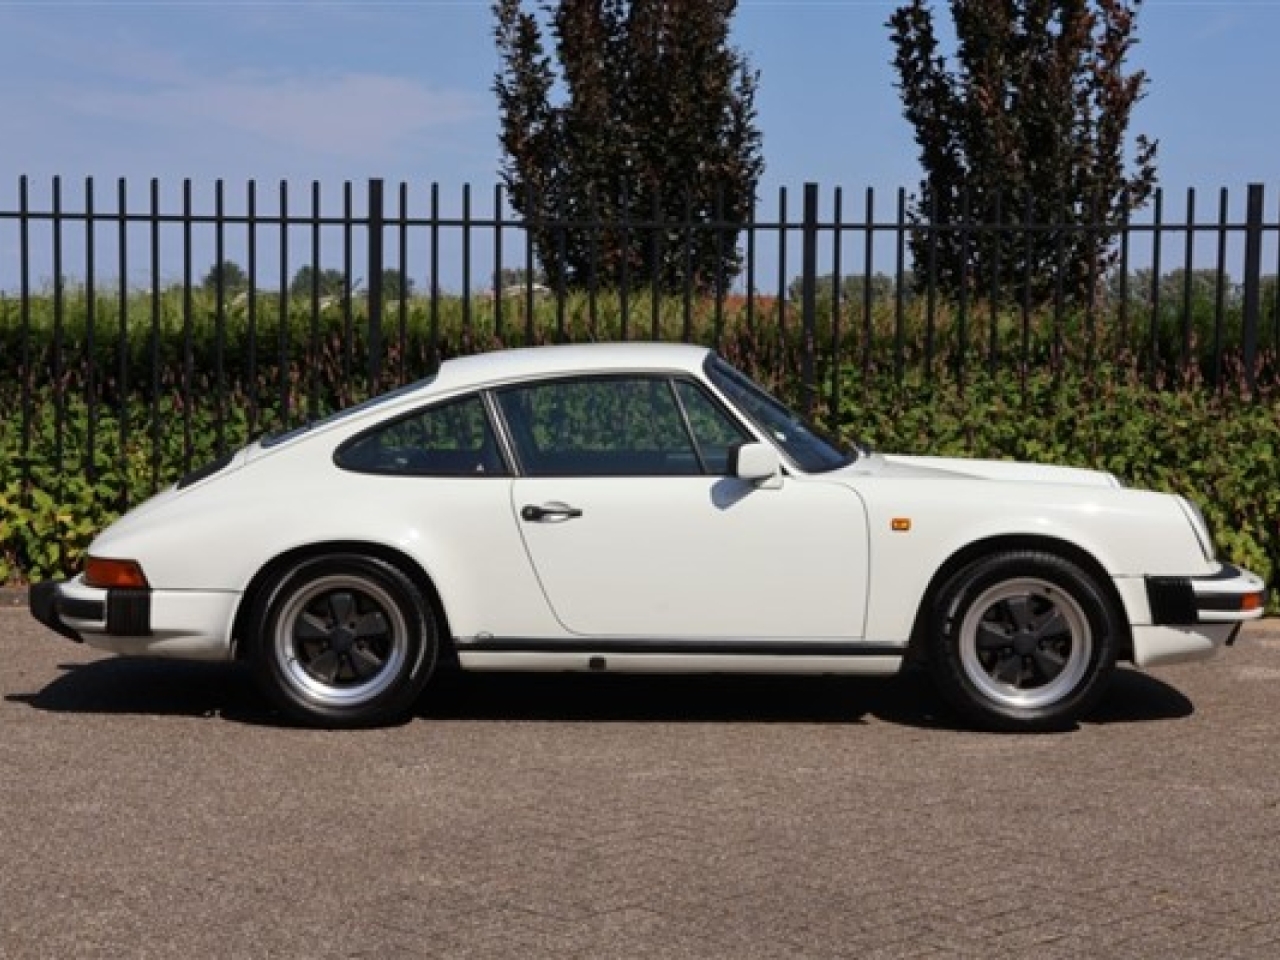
917,526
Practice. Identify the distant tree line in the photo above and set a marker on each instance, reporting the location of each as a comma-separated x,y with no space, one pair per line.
328,282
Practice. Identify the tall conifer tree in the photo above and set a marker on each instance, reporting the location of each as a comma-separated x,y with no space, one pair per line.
645,114
1029,124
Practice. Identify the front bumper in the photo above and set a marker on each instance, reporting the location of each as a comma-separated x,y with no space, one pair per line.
1232,595
1191,618
187,624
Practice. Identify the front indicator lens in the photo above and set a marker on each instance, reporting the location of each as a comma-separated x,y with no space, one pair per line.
100,572
1252,601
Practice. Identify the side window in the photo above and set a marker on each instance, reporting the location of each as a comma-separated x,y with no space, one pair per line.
453,439
715,433
617,426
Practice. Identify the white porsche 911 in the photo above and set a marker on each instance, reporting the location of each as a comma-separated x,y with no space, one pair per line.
643,507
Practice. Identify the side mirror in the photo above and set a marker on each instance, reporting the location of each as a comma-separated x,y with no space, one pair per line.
756,462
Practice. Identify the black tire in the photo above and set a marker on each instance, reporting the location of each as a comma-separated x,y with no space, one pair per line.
343,640
1023,641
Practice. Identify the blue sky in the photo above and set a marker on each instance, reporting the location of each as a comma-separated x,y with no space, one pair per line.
400,89
331,91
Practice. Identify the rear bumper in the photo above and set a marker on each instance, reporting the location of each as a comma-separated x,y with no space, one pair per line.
186,624
43,600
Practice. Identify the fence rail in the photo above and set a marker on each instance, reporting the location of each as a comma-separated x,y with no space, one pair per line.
161,330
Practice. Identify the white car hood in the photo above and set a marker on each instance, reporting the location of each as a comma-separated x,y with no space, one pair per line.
892,465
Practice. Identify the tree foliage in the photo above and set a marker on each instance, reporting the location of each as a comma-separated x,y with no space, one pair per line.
396,285
328,282
227,275
656,125
852,288
1029,125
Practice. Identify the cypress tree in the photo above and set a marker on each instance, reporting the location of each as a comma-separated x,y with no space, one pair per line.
651,154
1028,126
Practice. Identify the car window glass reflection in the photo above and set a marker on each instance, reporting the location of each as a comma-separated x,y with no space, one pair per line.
604,427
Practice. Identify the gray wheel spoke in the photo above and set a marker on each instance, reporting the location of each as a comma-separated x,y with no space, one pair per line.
371,625
365,663
325,666
343,606
311,627
1008,670
1052,626
1020,613
1048,663
992,637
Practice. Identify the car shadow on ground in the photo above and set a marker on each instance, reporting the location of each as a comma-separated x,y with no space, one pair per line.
175,688
906,700
145,687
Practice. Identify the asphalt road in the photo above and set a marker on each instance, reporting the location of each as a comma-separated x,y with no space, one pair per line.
155,809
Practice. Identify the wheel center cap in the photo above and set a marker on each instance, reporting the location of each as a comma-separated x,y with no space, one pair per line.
1025,645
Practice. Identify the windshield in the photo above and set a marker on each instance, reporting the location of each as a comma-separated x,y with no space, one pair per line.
275,439
803,444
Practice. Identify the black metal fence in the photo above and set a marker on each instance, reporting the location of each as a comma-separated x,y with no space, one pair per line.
159,330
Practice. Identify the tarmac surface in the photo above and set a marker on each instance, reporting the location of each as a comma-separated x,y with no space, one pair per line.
152,809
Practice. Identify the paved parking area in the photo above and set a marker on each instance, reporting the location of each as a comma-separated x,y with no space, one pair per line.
156,810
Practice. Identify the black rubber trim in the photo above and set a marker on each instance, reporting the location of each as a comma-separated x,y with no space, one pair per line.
1225,602
42,601
768,648
1172,600
128,612
1228,572
208,470
80,609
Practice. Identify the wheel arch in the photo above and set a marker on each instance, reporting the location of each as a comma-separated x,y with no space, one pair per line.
1012,542
398,559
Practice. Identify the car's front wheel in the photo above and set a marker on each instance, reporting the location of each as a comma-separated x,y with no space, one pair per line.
1023,640
343,641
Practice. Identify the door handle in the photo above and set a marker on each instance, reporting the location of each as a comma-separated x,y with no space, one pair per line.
553,512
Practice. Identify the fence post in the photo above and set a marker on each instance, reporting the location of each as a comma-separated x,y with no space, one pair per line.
809,294
1252,283
373,285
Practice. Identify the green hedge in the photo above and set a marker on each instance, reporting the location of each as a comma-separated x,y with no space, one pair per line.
1223,451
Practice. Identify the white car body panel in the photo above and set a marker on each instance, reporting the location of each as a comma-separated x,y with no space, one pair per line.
684,557
818,559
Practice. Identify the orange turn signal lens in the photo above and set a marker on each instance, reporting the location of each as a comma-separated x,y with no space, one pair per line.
900,524
1251,601
99,572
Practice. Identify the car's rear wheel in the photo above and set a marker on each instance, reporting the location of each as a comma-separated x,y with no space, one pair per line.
1023,640
343,641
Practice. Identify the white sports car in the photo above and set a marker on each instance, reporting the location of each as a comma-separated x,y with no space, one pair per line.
643,507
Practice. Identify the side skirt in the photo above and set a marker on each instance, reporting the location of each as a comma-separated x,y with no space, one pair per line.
645,656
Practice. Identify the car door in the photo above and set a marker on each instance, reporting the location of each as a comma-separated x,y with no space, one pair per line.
634,529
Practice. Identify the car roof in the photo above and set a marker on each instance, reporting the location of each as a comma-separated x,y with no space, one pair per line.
559,360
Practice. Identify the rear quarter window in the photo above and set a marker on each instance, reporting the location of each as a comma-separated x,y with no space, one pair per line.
451,439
